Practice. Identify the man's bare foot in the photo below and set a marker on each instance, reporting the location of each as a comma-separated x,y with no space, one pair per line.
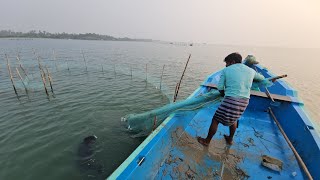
228,139
203,141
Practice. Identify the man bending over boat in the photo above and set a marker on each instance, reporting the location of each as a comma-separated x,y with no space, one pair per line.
234,84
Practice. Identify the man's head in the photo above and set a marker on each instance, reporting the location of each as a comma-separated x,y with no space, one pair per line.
233,58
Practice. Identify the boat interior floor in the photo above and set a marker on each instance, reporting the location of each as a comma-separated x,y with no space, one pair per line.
259,150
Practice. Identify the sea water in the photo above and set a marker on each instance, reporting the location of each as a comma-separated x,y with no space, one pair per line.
95,83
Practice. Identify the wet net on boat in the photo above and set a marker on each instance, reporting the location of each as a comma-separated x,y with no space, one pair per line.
147,121
144,123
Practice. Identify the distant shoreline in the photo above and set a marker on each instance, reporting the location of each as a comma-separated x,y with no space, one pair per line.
47,35
39,38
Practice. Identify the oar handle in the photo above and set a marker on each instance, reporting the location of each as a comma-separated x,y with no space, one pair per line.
278,77
269,95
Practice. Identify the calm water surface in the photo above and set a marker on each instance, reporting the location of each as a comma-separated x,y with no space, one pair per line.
40,135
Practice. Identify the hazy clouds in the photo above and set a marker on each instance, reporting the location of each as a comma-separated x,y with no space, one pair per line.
290,23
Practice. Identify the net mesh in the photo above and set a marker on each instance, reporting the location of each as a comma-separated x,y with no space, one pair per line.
143,123
147,121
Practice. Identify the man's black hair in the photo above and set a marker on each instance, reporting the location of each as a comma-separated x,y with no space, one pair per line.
233,57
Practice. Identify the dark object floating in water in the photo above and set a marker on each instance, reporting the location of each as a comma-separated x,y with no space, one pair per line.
86,154
90,139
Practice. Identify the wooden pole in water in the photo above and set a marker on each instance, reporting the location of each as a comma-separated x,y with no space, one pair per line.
50,79
20,64
114,69
25,87
44,80
39,64
131,71
175,92
161,76
10,74
32,71
34,52
67,63
85,62
54,59
178,87
146,72
43,76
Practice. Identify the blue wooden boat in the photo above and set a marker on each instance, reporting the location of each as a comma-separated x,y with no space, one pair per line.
260,150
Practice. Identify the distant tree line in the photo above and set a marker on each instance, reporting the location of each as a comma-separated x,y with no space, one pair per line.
45,34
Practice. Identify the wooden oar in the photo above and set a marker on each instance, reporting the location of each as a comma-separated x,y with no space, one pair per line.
304,167
273,102
278,77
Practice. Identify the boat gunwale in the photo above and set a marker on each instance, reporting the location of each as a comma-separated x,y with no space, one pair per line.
297,104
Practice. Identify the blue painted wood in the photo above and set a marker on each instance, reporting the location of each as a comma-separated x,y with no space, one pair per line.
172,152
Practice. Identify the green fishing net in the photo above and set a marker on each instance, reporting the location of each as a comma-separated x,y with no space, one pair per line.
262,84
147,121
143,123
250,60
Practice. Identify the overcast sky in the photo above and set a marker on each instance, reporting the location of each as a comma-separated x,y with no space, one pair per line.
288,23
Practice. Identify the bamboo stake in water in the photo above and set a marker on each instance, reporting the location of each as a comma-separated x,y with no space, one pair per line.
10,74
114,69
54,59
20,64
161,76
131,71
85,62
39,64
43,75
178,87
32,71
68,64
50,79
175,92
34,52
146,72
43,80
25,87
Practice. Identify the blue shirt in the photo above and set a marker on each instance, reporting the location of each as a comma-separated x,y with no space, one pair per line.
236,80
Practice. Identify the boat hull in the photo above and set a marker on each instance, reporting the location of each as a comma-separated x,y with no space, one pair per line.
172,152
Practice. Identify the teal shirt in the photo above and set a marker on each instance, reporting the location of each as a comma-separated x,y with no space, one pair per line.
236,80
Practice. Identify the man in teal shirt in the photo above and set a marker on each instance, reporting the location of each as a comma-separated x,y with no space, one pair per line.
234,84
